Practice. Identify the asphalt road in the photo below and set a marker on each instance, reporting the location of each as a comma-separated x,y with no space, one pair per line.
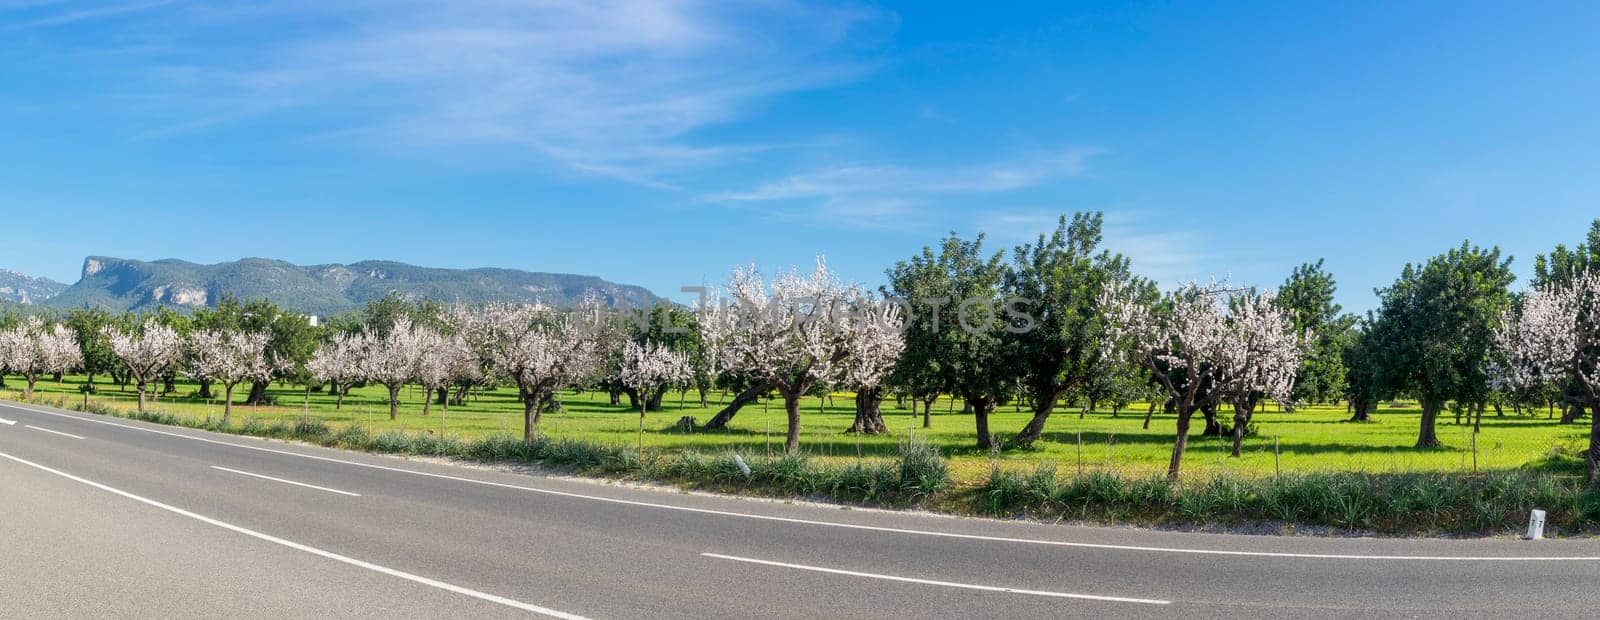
109,517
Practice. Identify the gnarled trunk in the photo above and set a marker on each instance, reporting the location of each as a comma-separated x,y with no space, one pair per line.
394,401
258,393
869,413
749,395
1241,423
1362,410
1043,404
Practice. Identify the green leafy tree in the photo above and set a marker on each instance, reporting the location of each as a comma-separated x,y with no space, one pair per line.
1436,326
1060,277
88,326
1307,295
960,312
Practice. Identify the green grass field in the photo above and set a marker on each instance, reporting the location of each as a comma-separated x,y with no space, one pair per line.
1311,439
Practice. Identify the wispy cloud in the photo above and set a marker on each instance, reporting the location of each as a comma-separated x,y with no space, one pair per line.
60,18
1169,256
866,194
619,88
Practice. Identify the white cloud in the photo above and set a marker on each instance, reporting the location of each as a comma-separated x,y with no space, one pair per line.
1165,255
617,88
867,194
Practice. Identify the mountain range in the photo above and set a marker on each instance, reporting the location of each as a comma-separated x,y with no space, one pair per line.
119,284
23,289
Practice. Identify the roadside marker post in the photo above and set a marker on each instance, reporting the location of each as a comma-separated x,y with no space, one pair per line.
1535,525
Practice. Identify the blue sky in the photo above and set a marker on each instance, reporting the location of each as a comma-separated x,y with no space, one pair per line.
665,143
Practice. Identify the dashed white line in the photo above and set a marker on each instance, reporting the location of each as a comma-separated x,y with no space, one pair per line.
307,548
931,582
8,422
853,526
40,428
298,484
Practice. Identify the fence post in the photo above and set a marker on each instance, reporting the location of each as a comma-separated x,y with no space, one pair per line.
1277,469
1080,453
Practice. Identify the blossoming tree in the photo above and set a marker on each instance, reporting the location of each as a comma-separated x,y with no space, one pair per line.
785,334
229,357
1206,346
1555,337
147,352
34,349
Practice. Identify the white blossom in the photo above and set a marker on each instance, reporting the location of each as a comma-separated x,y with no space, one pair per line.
147,352
33,349
229,357
648,368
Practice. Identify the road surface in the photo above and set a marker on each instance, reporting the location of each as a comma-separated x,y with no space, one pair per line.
102,516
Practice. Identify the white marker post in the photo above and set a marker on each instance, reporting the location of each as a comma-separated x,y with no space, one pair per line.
1535,525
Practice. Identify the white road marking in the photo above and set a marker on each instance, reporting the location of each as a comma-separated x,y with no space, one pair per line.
298,484
37,428
307,548
947,584
8,422
852,526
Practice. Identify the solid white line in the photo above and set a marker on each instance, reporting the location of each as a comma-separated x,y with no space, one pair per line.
298,484
948,584
8,422
852,526
307,548
51,431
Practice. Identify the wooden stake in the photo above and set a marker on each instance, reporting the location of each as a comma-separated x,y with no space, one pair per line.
1276,468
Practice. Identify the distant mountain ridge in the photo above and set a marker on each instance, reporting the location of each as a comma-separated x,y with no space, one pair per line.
119,284
25,289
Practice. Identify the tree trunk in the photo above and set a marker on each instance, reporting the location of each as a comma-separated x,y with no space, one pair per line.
1181,442
1241,421
791,407
749,395
141,388
27,393
703,402
394,401
205,388
1213,428
227,403
1149,414
1593,455
1428,437
980,417
1572,413
1362,411
1477,419
1043,405
167,385
927,411
427,402
338,402
869,413
530,417
258,393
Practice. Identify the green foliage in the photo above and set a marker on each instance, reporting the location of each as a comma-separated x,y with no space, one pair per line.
1308,296
1400,503
1434,332
1063,276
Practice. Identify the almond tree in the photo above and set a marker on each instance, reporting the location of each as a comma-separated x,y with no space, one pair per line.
1206,346
874,334
1556,338
650,369
334,363
443,359
147,352
33,350
540,349
785,335
229,357
390,357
